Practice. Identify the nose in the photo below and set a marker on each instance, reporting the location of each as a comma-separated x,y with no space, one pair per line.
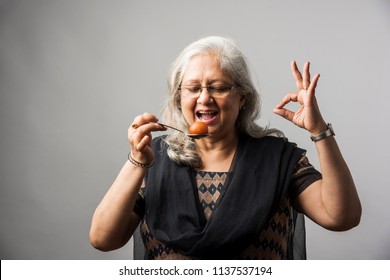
204,96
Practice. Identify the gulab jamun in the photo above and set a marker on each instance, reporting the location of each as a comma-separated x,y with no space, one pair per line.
198,128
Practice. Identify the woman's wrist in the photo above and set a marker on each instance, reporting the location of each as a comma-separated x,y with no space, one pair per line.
139,164
327,132
319,129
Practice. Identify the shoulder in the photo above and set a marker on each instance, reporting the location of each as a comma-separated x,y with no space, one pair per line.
159,142
270,141
159,147
272,146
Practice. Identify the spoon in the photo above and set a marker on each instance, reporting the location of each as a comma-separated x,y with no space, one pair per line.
193,136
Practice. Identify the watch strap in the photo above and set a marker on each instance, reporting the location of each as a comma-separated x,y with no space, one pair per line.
324,134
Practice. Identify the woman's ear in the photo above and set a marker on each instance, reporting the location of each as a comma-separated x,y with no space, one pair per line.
242,103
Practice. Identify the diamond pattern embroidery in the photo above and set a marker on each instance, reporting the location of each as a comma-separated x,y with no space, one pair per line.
210,187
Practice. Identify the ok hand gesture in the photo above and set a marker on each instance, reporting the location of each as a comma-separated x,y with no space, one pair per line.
308,116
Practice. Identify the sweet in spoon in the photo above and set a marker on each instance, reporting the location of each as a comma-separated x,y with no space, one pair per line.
197,130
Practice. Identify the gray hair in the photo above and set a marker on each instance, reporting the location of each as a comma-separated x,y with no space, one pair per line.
183,150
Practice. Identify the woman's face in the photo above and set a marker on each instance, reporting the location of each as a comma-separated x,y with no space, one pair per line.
219,113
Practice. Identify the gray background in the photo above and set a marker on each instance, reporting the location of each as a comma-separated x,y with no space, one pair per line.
73,75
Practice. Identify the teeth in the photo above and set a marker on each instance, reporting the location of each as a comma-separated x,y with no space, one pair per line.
206,115
207,112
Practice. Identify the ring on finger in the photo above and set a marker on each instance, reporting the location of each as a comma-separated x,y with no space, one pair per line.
135,126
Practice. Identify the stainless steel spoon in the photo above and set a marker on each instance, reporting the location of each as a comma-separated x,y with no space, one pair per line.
193,136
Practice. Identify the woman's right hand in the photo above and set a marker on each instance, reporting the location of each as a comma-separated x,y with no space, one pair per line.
140,137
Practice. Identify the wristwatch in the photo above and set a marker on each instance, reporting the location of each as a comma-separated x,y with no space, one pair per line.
325,134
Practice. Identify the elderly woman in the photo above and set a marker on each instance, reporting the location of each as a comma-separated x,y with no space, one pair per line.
235,193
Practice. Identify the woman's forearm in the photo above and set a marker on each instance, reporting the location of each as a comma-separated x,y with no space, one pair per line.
114,222
339,196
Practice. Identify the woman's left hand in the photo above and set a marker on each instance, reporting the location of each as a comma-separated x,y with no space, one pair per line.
308,116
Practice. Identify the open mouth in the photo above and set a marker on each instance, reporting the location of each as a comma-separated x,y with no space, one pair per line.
206,115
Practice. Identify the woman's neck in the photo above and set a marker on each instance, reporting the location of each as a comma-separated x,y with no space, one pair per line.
217,155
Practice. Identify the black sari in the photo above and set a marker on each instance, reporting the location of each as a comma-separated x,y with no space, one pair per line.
259,178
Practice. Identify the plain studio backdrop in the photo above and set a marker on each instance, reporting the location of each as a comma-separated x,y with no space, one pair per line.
74,74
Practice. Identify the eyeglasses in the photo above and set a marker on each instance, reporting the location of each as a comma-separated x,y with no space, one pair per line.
217,91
